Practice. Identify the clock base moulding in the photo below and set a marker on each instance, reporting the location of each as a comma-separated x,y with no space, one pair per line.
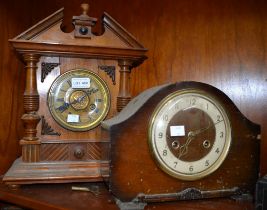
56,172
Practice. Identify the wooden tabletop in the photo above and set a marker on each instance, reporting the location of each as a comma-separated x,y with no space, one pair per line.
61,196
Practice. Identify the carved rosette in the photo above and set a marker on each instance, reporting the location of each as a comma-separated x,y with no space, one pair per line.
124,89
30,143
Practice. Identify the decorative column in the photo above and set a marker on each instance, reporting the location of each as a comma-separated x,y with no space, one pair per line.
124,89
30,142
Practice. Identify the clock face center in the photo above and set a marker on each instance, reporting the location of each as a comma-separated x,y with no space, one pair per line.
199,135
79,100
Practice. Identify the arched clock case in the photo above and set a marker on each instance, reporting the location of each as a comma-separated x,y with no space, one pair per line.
182,141
73,82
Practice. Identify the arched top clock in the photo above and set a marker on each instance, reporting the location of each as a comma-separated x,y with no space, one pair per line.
74,81
191,141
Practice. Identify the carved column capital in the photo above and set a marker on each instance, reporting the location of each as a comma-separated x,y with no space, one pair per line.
34,58
126,63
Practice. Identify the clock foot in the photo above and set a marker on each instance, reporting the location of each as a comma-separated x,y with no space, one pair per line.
242,197
133,205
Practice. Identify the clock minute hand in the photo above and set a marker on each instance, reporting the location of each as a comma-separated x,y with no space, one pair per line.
201,130
79,99
190,136
198,131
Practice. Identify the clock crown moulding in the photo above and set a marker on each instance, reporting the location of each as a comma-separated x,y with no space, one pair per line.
47,38
61,143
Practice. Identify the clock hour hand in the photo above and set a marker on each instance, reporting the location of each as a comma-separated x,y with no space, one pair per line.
184,148
63,107
190,136
80,99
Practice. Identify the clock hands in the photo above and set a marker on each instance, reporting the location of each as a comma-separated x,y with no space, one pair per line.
191,135
63,107
184,148
66,105
79,99
201,130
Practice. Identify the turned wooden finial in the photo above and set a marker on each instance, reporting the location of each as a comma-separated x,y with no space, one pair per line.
83,23
85,8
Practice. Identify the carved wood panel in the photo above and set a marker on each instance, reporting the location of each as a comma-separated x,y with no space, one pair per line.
70,151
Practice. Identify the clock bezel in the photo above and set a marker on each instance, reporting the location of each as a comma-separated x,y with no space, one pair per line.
100,81
228,138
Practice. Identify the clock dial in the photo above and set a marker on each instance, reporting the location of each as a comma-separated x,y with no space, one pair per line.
79,100
189,135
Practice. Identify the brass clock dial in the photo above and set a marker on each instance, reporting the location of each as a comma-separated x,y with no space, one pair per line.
189,134
79,100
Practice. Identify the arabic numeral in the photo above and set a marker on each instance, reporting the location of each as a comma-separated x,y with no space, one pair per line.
217,150
191,168
207,163
175,164
165,152
221,134
193,101
218,118
160,135
165,117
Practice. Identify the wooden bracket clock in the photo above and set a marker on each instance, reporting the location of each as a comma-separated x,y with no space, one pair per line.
73,82
181,141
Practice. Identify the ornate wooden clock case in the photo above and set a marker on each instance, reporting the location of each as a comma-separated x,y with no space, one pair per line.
73,81
181,141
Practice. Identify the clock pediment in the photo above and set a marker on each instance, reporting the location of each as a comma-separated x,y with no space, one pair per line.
47,38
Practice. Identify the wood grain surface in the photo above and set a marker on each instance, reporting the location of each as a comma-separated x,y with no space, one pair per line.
219,42
59,197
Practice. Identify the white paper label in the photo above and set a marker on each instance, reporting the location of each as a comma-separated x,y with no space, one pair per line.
80,82
74,118
177,130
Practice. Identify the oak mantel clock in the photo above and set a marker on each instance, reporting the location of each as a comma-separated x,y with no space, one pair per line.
184,141
74,81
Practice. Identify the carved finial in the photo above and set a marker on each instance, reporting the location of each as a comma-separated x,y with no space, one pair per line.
83,23
85,8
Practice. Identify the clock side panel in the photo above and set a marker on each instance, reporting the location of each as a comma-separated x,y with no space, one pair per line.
137,173
59,143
